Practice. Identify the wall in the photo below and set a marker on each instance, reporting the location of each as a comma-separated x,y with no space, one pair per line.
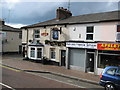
102,31
46,49
13,42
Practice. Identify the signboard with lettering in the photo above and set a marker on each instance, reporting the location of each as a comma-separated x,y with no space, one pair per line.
55,43
108,46
82,45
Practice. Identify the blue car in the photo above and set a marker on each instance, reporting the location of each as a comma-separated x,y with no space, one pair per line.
110,78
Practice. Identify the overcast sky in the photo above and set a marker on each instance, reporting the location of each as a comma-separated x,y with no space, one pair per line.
26,12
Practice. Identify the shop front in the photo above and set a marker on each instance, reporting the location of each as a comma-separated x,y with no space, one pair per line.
81,56
108,55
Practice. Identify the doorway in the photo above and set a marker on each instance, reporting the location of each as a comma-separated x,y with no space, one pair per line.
90,62
24,51
63,57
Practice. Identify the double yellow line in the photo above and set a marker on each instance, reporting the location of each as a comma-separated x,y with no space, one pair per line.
3,66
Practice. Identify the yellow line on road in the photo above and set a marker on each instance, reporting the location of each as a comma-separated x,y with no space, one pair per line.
10,68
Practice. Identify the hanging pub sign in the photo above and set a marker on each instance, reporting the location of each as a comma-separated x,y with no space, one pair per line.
108,46
55,34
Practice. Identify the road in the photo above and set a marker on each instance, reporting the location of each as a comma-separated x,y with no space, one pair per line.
18,79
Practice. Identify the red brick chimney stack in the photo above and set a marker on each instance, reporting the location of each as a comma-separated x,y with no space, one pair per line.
62,13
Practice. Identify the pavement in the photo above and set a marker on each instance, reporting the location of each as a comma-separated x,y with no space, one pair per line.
16,61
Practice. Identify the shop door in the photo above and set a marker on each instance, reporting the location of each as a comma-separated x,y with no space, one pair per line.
90,63
63,57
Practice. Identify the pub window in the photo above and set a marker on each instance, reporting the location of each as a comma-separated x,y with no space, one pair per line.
39,52
55,34
32,52
52,53
89,33
36,33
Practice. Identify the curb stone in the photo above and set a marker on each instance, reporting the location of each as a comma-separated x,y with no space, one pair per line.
54,73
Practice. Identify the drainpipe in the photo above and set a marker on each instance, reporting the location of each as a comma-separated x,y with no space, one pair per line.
27,44
67,59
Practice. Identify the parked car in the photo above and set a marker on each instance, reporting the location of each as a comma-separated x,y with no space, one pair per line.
110,78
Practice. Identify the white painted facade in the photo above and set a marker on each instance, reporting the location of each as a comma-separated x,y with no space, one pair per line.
104,31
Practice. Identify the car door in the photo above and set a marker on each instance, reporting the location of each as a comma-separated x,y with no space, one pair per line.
118,78
110,75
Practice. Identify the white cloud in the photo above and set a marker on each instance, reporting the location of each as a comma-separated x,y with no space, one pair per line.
15,25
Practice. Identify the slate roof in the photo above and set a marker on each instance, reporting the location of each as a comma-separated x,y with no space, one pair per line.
87,18
9,28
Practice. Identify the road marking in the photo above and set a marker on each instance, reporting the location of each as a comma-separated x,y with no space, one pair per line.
58,80
10,68
7,86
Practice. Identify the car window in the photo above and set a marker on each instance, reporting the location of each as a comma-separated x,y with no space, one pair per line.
111,71
118,71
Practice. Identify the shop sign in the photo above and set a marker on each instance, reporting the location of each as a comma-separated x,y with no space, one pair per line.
55,43
44,34
108,46
82,45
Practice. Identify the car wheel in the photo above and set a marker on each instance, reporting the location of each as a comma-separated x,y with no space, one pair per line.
109,87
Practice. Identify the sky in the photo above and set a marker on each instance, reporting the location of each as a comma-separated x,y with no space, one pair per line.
18,13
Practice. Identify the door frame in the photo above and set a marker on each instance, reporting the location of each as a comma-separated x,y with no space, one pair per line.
61,59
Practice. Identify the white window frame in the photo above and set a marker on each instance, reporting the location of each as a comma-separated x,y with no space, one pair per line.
30,53
51,53
35,53
89,33
35,34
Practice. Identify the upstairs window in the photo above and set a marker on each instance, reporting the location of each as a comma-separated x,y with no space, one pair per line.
36,33
89,33
20,35
118,33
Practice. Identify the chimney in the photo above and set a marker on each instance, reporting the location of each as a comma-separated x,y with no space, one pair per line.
2,22
62,13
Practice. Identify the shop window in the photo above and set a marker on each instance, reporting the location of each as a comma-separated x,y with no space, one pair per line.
39,52
32,52
55,34
108,60
111,71
89,33
36,33
52,53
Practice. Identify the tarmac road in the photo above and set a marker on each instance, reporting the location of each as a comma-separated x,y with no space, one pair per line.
16,79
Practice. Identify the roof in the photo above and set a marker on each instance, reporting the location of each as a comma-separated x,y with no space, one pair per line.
87,18
9,28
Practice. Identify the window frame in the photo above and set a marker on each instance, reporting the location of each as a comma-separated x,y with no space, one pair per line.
36,33
41,51
31,51
89,32
52,52
111,69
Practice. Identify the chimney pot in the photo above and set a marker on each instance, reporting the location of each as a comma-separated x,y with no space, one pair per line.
62,13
